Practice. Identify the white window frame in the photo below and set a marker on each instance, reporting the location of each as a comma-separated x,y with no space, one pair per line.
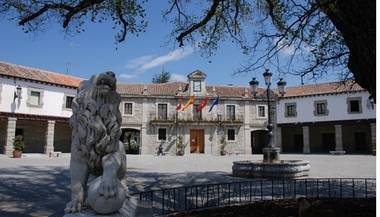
265,110
133,108
228,140
64,101
167,109
286,109
200,86
225,110
349,100
41,101
158,134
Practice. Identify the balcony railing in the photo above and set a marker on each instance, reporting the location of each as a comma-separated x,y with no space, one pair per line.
190,118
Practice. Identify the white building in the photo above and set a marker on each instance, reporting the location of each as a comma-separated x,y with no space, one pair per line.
150,118
35,104
337,117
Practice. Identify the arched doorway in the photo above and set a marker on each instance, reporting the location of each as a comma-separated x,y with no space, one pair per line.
259,139
131,140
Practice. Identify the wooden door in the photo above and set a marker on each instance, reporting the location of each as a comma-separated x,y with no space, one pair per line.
197,141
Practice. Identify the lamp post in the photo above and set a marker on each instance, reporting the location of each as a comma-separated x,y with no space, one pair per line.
270,152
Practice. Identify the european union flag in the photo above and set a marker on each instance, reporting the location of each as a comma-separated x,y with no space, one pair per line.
216,102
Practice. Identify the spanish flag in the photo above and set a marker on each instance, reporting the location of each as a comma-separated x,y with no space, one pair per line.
189,103
202,104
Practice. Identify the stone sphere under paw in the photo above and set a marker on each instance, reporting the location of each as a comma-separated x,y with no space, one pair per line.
103,205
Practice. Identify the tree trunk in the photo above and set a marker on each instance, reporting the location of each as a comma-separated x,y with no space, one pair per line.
356,20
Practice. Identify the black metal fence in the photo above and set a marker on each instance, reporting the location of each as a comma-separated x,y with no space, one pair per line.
187,198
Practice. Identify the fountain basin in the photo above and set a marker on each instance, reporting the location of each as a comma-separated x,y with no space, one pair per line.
281,169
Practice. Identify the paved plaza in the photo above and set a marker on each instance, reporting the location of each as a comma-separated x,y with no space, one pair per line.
38,186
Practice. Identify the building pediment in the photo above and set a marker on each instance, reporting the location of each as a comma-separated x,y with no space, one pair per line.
197,74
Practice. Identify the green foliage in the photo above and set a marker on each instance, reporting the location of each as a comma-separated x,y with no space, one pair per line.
18,143
162,77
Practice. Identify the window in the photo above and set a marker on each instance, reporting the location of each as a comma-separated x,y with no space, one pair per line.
197,86
290,110
162,111
230,112
68,102
35,97
161,133
320,108
354,105
261,110
128,108
197,115
231,134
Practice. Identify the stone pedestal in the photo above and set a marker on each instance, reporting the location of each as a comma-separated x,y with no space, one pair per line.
271,155
133,207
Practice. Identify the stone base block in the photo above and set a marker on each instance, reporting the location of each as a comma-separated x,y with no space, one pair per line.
338,152
131,208
282,169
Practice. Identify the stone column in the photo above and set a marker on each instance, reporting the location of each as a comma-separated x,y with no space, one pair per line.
49,146
247,129
338,140
279,137
373,138
10,135
306,139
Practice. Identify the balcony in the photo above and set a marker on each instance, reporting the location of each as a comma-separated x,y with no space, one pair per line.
185,119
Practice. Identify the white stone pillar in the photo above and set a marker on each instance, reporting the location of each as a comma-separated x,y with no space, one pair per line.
338,140
279,138
373,138
143,147
49,146
306,139
247,129
10,135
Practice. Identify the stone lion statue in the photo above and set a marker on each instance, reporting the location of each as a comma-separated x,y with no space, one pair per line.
98,161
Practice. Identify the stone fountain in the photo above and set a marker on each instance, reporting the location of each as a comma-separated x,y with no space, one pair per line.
271,166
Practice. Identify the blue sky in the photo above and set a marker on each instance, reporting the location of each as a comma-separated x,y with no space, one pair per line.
134,61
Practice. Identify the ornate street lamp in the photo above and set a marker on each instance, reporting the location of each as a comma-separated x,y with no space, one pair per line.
17,93
281,86
254,84
271,153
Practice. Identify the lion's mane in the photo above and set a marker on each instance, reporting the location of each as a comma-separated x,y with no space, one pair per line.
95,122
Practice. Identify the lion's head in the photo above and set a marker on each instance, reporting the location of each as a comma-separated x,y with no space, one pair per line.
96,119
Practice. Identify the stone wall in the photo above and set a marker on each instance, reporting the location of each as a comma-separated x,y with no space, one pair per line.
34,135
62,137
3,131
349,138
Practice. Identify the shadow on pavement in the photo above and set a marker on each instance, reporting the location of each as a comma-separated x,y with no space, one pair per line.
36,191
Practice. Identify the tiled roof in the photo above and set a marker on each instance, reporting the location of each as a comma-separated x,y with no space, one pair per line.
171,89
165,89
8,69
324,88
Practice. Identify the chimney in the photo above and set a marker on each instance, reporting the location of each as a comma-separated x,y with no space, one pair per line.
145,90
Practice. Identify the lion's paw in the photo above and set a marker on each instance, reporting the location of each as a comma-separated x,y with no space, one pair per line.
74,206
108,187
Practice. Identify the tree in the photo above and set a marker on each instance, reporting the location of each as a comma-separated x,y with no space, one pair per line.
328,34
162,77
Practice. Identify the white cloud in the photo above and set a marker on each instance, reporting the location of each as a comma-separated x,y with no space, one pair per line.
177,77
128,76
141,64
